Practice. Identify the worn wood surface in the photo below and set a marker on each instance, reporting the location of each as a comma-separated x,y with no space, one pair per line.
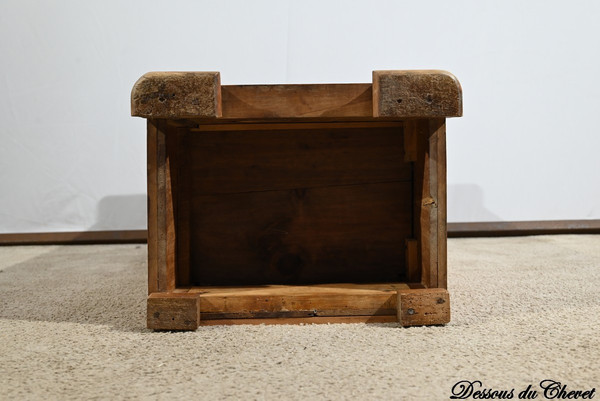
173,311
291,189
295,158
153,215
177,95
297,101
303,320
300,236
430,200
162,192
183,203
269,301
418,93
423,307
392,94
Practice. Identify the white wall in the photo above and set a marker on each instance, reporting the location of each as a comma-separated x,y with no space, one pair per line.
71,158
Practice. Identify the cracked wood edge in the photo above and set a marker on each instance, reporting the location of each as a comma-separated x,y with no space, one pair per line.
177,95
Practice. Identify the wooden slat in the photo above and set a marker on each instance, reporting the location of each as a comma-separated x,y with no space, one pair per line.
177,95
297,101
152,179
430,200
300,236
171,189
418,93
161,206
442,230
183,211
423,307
243,161
298,301
304,320
173,311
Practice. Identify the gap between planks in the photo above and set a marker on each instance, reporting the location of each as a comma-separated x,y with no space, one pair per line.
295,125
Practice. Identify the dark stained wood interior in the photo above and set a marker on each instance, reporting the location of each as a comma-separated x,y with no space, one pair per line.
297,206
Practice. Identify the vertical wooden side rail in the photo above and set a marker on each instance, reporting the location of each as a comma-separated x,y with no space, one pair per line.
430,200
166,310
153,216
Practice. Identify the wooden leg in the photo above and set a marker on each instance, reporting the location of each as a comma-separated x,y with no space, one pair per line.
173,311
430,200
423,307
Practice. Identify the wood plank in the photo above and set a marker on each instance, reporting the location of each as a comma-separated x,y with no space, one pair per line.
161,206
173,311
298,301
76,237
297,101
442,229
171,189
243,161
423,307
152,189
418,93
177,95
304,320
430,200
301,236
183,211
412,261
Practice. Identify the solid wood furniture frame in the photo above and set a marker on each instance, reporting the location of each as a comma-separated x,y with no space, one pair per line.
296,203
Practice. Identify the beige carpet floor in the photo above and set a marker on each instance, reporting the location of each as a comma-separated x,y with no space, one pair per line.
525,309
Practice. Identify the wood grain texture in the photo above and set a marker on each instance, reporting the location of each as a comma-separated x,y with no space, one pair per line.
295,158
177,95
303,320
418,93
183,210
430,200
423,307
161,206
152,189
413,269
297,101
268,301
300,236
173,311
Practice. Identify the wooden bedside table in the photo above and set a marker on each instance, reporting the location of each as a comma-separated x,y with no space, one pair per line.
296,203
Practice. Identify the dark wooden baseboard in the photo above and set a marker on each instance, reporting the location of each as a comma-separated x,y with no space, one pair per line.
83,237
455,230
516,228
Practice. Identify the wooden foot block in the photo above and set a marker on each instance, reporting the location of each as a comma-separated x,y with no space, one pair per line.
423,307
173,311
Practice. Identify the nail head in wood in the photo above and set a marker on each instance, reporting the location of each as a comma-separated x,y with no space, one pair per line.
177,95
420,307
173,311
418,93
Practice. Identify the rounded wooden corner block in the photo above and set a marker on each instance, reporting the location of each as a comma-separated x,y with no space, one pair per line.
177,95
416,94
173,311
423,307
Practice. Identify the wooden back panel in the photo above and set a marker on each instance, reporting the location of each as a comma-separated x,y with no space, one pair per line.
296,205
